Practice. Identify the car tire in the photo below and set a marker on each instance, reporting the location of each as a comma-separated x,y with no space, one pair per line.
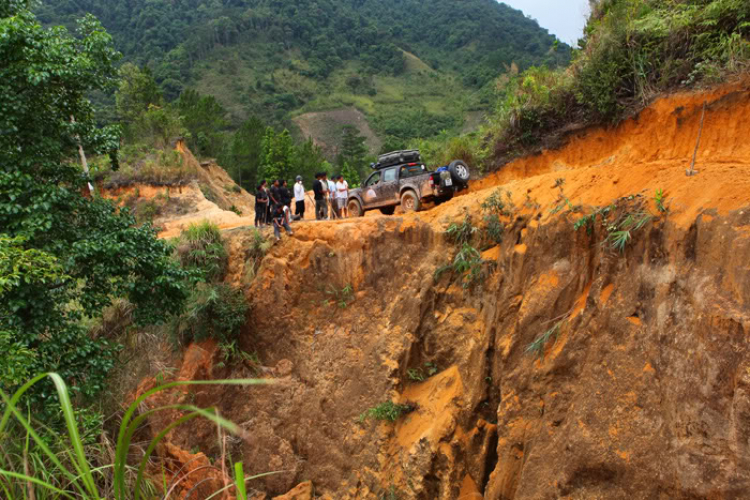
388,210
355,208
410,202
460,171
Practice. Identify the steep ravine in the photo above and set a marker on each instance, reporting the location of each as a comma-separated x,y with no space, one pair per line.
642,391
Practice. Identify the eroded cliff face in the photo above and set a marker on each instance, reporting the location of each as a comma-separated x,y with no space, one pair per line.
570,370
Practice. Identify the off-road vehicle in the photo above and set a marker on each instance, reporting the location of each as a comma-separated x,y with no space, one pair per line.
401,178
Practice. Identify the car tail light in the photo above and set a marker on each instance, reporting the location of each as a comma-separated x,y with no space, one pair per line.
432,180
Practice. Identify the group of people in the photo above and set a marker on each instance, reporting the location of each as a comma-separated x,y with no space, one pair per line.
273,205
333,193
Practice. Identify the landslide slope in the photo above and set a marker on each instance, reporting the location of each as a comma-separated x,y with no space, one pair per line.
570,370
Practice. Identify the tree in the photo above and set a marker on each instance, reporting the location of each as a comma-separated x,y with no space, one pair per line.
65,257
142,110
353,149
278,154
351,175
308,160
204,118
242,157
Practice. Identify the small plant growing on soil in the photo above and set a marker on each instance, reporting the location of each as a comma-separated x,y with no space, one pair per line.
460,234
659,200
467,263
620,233
494,229
342,297
538,346
236,210
421,374
494,204
388,411
562,200
231,353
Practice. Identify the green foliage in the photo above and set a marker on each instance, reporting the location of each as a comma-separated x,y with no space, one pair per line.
201,249
37,462
242,154
538,346
421,374
231,353
632,50
388,411
659,200
205,120
467,263
342,297
494,229
495,205
213,311
353,152
461,234
85,252
620,232
278,154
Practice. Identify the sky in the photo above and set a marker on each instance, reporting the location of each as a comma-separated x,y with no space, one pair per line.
564,18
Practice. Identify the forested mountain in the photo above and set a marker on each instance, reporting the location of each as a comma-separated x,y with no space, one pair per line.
273,57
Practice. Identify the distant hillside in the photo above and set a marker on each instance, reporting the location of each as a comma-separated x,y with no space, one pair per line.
414,68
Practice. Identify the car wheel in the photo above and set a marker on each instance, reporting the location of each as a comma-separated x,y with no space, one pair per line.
410,202
355,208
388,210
460,171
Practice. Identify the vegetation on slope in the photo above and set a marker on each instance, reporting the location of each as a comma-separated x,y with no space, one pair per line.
632,51
276,58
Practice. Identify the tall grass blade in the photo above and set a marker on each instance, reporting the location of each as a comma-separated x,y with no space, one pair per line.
239,481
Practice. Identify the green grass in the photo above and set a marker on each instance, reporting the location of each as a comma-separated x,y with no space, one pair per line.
388,411
68,470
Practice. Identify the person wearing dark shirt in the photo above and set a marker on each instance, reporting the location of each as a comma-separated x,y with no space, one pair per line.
321,201
279,221
261,205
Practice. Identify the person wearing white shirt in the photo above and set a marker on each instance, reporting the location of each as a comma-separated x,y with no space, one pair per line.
342,193
332,198
299,198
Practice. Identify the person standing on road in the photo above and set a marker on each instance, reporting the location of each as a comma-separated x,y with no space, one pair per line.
321,197
332,198
342,193
261,205
299,198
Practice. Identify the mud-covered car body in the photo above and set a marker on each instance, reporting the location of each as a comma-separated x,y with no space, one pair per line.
409,185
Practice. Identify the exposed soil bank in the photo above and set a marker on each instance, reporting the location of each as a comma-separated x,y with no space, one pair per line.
641,391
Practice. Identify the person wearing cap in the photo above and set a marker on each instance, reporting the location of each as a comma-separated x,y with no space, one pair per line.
299,198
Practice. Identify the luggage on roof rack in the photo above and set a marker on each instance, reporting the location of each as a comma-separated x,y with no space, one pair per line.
397,157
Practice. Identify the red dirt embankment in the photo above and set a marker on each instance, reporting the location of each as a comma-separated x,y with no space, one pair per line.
641,389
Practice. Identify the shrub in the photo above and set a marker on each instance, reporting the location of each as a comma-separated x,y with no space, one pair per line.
37,462
388,411
213,311
201,248
460,234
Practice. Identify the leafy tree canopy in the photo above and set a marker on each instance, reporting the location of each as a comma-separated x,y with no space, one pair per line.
65,256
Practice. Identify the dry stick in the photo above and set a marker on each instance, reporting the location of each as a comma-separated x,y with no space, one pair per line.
691,171
82,154
29,484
